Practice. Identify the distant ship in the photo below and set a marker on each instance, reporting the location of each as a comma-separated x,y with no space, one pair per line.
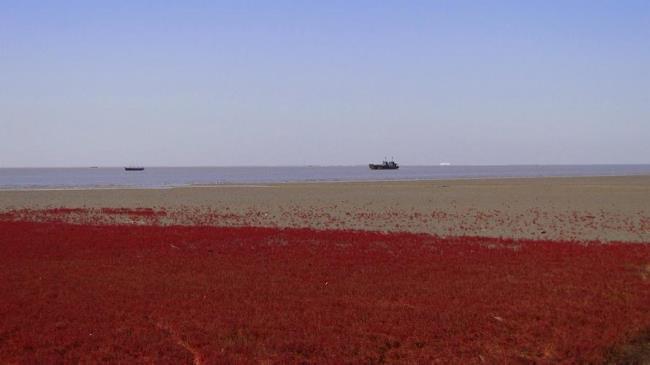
385,165
133,168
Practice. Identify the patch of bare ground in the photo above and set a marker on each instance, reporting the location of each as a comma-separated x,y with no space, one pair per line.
635,352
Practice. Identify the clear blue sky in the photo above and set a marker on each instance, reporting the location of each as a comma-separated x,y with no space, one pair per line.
323,82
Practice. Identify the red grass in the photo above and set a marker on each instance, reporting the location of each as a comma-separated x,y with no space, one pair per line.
143,294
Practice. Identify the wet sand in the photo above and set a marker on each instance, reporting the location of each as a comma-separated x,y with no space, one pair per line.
584,208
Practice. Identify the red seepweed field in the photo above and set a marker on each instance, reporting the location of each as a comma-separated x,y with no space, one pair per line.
121,293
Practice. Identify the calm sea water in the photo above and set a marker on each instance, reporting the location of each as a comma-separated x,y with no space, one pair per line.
11,178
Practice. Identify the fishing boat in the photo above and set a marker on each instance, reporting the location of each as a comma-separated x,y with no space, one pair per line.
385,165
133,168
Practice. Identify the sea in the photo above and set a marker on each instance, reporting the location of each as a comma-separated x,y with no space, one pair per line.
162,177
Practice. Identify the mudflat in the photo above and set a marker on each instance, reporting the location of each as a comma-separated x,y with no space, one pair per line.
581,208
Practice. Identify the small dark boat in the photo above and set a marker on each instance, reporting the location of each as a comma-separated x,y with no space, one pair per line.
133,168
385,165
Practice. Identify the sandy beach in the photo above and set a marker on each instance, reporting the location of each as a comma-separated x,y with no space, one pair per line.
585,208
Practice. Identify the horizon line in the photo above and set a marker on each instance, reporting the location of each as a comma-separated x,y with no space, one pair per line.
319,165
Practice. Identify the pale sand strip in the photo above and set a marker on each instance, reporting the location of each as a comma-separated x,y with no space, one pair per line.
606,208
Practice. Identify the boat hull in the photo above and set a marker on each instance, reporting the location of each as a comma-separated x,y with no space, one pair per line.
382,167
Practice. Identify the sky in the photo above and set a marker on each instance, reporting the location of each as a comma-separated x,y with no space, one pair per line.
212,83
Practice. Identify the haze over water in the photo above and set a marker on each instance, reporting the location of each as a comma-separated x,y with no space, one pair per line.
29,178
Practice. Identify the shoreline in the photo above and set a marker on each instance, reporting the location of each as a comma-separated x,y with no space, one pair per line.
565,208
299,182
